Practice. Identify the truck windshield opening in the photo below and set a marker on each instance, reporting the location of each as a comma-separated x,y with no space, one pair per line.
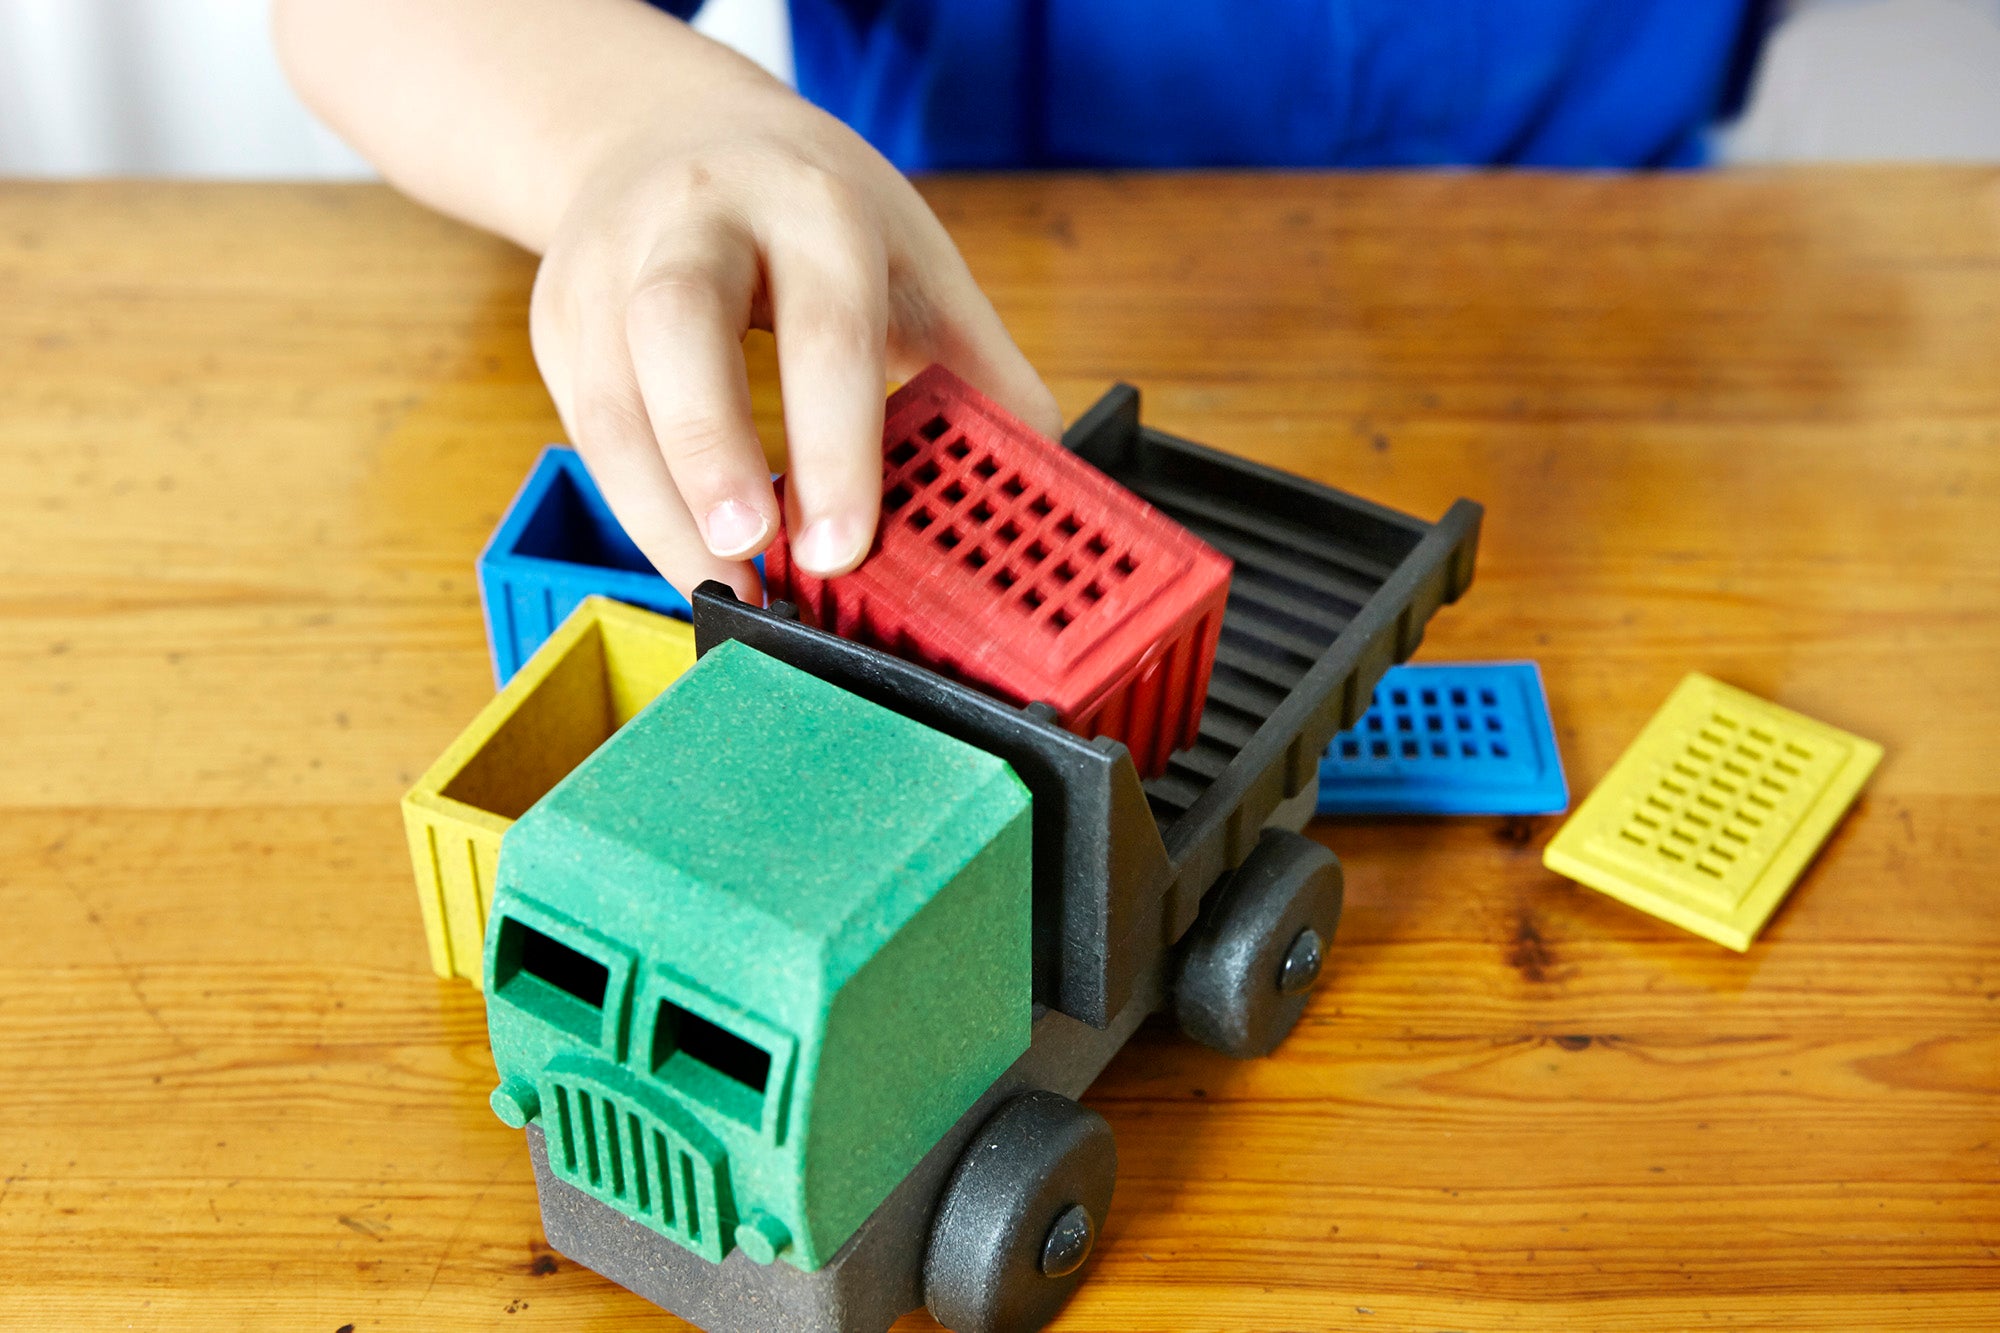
717,1047
555,963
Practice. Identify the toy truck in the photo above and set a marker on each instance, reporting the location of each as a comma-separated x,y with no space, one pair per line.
794,983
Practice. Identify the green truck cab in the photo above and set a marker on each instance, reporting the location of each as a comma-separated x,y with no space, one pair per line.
744,982
795,983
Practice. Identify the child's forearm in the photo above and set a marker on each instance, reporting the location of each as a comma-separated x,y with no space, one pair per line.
495,111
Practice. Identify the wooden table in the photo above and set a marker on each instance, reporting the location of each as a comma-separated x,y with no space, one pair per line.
251,440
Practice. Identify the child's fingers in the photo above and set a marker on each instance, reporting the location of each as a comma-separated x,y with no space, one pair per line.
685,322
946,318
608,421
828,282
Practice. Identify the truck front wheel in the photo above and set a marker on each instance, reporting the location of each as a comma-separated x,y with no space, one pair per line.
1019,1216
1251,958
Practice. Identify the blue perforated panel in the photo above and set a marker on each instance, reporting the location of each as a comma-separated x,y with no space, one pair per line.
1469,738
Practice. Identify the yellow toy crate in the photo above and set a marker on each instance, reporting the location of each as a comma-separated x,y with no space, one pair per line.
1715,810
601,666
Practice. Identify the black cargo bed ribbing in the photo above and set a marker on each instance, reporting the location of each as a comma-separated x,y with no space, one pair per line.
1329,590
1289,597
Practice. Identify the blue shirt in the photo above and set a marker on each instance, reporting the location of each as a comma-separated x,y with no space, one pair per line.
1273,83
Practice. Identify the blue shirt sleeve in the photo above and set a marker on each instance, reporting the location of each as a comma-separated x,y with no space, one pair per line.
1271,83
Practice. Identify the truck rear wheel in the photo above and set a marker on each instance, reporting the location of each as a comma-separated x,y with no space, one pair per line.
1251,959
1019,1216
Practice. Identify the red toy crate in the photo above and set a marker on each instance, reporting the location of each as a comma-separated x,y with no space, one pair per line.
1009,563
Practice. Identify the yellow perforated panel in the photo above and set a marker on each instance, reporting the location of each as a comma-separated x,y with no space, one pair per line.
1715,810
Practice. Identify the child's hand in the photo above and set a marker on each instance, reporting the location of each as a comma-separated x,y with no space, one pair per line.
680,196
768,214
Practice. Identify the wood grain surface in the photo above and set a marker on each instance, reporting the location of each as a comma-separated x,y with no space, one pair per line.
251,439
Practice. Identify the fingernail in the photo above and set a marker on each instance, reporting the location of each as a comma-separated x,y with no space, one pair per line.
732,528
828,544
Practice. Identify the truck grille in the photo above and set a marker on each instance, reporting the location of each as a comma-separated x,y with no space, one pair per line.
622,1143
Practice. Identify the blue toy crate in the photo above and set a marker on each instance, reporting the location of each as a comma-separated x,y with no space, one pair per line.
557,544
1467,738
